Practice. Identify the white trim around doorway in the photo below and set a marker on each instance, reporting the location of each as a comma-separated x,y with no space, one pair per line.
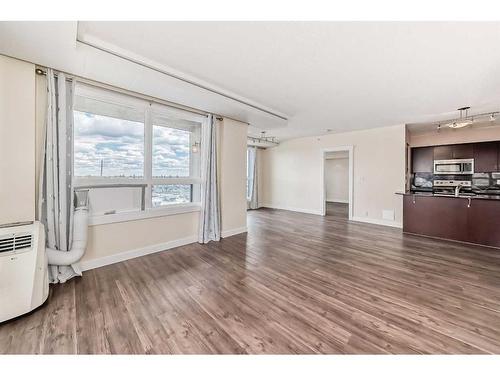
324,151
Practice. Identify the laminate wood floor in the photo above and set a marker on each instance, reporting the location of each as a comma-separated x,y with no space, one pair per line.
296,283
339,210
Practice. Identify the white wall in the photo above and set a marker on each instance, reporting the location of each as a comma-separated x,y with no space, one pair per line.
337,180
232,175
109,243
17,141
292,173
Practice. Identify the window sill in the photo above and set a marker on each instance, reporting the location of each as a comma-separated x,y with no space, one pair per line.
141,215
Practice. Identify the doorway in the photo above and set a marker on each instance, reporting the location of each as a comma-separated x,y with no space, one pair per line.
337,182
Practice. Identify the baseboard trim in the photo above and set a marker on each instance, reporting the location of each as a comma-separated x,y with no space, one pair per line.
130,254
233,232
450,240
386,223
294,209
337,200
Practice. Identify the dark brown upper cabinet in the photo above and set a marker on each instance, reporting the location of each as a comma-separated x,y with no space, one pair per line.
464,151
486,157
443,152
422,159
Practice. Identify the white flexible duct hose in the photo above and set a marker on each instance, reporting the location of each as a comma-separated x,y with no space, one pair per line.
79,244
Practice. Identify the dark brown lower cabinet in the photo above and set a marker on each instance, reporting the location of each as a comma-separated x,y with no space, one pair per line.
484,222
451,218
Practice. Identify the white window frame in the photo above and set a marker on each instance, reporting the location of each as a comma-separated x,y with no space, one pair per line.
150,109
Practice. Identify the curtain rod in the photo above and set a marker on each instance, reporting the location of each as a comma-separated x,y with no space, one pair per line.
40,71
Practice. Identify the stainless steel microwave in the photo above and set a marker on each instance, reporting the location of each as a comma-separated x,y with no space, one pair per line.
454,166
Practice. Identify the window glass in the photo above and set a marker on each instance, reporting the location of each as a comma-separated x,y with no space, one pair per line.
176,148
108,140
163,195
171,152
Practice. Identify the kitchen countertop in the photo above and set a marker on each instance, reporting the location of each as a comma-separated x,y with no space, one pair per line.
429,194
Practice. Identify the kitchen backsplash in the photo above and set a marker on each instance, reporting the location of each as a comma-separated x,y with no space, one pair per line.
484,181
422,180
480,181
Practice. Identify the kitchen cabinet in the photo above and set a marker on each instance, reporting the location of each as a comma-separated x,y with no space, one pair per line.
483,222
441,217
486,157
453,218
443,152
461,151
422,159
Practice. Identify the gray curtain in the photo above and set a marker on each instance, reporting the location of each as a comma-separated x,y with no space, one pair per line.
209,229
56,204
253,182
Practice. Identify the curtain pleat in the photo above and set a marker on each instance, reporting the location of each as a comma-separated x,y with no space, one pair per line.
57,192
209,227
253,183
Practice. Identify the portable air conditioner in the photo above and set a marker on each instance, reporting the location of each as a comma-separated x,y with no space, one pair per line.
24,283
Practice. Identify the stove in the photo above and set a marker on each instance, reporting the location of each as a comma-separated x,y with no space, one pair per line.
449,186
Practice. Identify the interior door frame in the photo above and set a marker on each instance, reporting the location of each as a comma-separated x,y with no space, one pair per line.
324,151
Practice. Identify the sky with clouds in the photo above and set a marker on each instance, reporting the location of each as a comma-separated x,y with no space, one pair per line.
170,152
120,145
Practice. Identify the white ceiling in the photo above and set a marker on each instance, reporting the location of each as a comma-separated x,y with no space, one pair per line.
54,44
327,75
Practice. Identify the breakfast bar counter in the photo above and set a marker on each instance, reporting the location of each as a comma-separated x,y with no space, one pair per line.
466,218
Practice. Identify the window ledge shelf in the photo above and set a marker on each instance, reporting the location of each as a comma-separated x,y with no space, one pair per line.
142,215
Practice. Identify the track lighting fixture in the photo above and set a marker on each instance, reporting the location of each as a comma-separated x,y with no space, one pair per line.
463,121
264,139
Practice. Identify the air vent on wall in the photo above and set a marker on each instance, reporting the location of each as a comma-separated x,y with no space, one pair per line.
15,242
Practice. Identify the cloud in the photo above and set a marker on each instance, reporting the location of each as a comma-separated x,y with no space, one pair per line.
171,152
119,145
107,127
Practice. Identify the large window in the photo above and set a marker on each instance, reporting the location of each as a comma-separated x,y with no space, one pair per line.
134,155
